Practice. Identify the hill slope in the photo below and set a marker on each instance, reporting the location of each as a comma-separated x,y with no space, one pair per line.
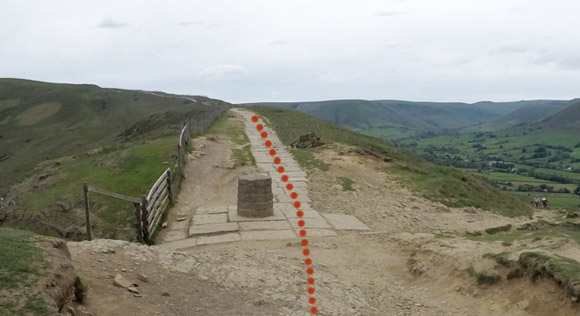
534,111
42,121
395,119
567,118
449,186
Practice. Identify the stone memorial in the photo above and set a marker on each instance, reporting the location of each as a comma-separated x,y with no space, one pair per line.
255,198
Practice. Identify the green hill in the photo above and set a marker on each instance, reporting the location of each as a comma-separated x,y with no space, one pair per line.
395,119
43,121
568,118
449,186
55,137
533,111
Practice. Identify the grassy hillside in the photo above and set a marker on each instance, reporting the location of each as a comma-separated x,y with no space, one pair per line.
569,118
525,161
42,121
447,185
394,119
55,137
534,111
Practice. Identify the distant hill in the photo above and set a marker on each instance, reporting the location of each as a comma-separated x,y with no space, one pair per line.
532,112
41,121
568,118
386,113
376,117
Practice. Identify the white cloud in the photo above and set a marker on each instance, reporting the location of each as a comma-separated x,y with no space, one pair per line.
302,49
388,13
112,23
222,72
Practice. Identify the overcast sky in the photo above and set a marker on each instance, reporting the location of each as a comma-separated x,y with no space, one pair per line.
279,50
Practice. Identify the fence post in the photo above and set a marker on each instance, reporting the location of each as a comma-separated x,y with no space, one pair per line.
87,214
169,187
139,222
144,221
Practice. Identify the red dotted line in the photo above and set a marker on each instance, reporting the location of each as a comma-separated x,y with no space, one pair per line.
299,213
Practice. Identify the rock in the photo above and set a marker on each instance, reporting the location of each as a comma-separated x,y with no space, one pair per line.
164,225
165,294
133,290
522,305
123,270
70,310
120,281
142,277
181,218
307,141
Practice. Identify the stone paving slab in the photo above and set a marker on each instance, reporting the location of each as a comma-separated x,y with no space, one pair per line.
180,244
213,228
174,235
183,225
296,174
291,214
215,239
300,191
265,225
345,222
318,232
299,184
211,210
209,219
283,198
233,217
314,222
268,235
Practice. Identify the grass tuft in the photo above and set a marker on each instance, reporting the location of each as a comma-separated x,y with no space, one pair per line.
346,183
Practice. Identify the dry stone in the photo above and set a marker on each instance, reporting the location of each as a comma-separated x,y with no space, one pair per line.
255,198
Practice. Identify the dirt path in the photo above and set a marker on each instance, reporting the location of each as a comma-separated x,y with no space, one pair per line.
210,180
405,266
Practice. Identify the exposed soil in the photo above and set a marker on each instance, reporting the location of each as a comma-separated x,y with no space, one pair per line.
404,267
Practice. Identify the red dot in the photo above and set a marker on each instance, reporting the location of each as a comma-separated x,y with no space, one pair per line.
299,213
259,127
268,143
284,178
311,290
310,280
302,232
301,223
304,242
296,204
289,186
254,119
277,160
312,300
308,262
280,169
272,152
294,195
306,252
309,270
314,310
264,135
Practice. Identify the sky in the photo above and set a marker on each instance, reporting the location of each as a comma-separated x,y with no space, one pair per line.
279,50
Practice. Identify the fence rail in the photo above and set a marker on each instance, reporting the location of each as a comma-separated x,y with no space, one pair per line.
150,208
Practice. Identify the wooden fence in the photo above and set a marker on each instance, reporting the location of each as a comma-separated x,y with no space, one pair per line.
150,208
